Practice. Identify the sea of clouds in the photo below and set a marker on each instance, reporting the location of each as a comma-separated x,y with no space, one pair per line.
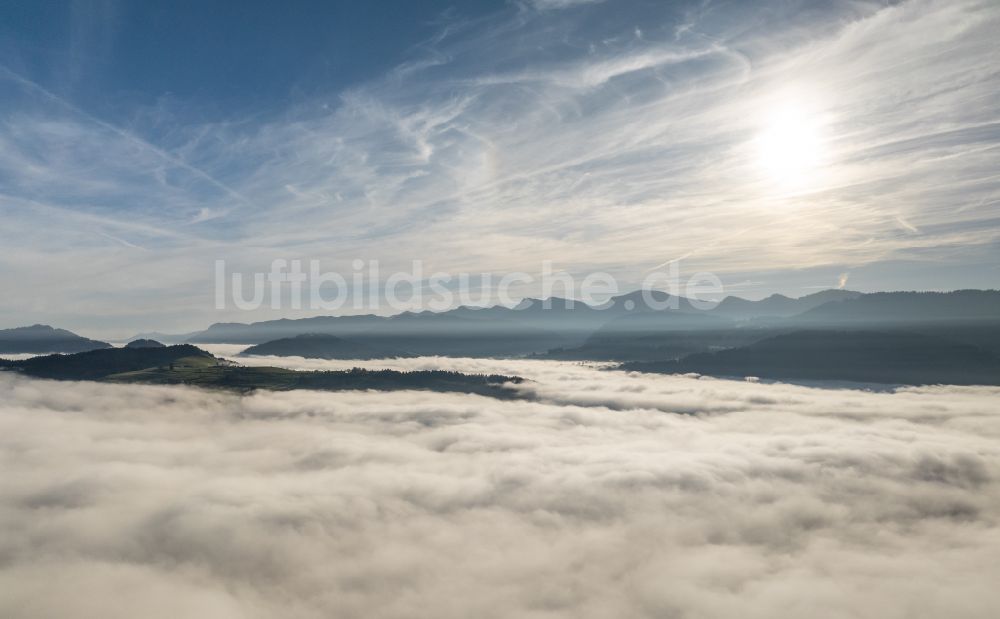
601,494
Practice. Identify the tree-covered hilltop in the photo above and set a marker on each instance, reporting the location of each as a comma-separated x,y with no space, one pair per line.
45,339
144,343
323,346
189,365
240,378
859,356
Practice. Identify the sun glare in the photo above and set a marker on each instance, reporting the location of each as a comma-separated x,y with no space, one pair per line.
790,148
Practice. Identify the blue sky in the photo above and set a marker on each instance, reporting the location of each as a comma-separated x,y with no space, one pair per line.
221,58
785,146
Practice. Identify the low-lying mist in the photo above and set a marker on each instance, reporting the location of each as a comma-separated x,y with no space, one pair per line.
605,495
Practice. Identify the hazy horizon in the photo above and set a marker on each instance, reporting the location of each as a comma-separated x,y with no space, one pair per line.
265,314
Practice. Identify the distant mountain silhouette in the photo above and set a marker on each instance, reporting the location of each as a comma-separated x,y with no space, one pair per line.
909,307
643,301
532,326
45,339
965,317
657,345
424,333
858,356
322,346
779,306
653,335
144,343
637,326
652,322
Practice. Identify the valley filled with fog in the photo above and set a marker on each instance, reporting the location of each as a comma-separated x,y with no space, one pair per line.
599,493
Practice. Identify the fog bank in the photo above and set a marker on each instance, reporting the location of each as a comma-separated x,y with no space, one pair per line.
609,495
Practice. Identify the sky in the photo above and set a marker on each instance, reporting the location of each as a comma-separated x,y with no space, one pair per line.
785,147
603,494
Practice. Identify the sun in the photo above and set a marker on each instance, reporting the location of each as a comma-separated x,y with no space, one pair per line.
790,148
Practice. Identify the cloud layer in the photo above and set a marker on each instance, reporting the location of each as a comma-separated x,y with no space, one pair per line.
608,495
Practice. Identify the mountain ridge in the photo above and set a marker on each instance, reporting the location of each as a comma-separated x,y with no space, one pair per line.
39,338
893,357
322,346
530,327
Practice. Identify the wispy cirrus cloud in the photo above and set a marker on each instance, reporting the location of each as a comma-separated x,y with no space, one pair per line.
548,5
536,136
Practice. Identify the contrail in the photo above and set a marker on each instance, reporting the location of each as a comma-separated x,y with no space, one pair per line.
173,159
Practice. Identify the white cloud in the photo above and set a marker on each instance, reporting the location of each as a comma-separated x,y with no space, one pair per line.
609,495
540,137
548,5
